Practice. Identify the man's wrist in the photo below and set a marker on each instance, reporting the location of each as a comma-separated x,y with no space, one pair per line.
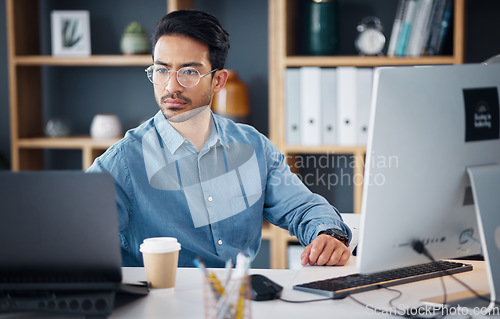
337,234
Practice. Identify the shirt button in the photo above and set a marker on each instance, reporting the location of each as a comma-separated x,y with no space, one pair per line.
219,242
210,198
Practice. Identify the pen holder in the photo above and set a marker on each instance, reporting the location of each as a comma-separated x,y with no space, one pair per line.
230,301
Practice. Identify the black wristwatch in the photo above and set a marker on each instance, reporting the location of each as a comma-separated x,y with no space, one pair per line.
337,234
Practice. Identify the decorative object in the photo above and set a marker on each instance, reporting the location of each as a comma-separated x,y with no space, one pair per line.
232,101
106,126
134,39
370,39
319,27
57,127
70,33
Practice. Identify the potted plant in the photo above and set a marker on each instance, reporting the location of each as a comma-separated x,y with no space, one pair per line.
134,39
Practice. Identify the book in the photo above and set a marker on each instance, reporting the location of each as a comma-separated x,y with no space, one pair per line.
396,27
419,30
292,105
310,106
406,27
445,26
329,106
434,28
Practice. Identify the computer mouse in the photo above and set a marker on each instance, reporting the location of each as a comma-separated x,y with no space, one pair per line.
264,288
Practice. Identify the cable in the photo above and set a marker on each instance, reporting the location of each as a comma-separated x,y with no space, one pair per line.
420,248
400,293
405,313
304,301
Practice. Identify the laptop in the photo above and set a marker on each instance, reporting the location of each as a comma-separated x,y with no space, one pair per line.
59,242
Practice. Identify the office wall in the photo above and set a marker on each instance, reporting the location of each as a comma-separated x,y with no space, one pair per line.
482,31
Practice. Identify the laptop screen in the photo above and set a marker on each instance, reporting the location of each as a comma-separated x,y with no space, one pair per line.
58,229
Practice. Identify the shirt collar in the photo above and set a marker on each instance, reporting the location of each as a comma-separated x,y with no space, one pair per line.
220,128
173,140
170,137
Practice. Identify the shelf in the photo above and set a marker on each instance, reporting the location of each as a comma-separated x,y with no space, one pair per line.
93,60
283,17
76,142
366,61
324,149
90,147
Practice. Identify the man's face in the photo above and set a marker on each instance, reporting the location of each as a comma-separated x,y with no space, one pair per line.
175,52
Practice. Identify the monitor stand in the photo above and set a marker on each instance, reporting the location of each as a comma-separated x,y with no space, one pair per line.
485,183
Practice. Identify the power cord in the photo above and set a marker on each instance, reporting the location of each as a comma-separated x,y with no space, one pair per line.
413,313
304,301
420,248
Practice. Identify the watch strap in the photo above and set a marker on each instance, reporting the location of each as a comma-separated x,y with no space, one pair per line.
337,234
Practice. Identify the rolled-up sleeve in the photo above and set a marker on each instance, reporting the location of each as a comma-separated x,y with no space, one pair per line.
289,204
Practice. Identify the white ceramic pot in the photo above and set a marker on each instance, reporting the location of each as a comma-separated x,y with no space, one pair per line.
132,43
106,126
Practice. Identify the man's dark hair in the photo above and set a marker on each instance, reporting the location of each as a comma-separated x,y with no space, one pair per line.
200,26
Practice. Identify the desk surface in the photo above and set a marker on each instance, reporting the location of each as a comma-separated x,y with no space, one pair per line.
186,299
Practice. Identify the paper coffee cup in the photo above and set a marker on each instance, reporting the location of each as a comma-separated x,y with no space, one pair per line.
160,256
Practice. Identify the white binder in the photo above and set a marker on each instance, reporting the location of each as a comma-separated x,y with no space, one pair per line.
364,94
310,104
329,106
292,105
346,106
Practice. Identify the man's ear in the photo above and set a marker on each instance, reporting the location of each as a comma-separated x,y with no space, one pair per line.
219,80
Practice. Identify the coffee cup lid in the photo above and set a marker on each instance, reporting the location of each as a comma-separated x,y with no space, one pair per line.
159,245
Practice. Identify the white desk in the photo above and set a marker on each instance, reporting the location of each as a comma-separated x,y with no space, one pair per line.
186,299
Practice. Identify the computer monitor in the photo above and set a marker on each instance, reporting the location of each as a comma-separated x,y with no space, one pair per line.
428,125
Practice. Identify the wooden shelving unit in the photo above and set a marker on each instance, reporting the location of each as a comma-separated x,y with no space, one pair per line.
94,60
25,63
283,16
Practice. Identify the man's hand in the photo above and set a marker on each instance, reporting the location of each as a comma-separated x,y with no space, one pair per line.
325,250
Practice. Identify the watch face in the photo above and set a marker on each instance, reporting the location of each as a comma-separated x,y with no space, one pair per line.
370,41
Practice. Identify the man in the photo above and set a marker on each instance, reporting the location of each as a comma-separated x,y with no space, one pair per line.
190,174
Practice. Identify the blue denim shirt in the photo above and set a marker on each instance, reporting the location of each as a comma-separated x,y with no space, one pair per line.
213,201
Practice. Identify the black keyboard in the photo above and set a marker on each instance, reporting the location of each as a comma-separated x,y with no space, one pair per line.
341,287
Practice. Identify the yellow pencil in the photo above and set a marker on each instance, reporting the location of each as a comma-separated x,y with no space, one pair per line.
240,308
216,284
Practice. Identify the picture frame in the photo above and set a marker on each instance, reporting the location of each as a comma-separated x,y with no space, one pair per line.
70,33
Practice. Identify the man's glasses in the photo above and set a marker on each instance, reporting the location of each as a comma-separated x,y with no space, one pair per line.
186,76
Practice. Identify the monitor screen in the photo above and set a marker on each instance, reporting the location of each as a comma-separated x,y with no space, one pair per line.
427,125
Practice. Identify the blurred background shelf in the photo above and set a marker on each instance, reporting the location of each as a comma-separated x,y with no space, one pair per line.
93,60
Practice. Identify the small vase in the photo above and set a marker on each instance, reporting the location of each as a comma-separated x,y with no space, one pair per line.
106,126
56,127
319,27
134,43
232,101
